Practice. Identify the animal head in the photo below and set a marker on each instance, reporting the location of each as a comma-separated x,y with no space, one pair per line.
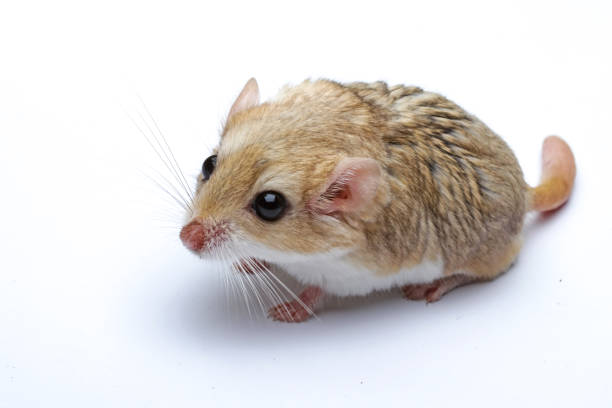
292,178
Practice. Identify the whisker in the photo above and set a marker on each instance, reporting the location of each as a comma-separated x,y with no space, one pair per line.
169,183
293,295
226,289
224,277
265,272
242,286
273,292
176,165
183,203
262,282
276,294
168,162
143,133
284,303
246,274
280,296
171,215
235,293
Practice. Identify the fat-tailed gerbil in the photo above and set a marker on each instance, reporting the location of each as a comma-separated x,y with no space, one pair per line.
357,187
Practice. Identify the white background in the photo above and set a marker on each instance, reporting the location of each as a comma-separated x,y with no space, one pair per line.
101,306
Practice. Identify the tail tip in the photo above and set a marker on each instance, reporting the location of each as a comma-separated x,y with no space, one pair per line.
558,174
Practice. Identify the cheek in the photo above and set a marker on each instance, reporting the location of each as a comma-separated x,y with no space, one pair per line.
296,232
289,235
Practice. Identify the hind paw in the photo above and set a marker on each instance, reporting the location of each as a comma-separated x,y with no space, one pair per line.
433,291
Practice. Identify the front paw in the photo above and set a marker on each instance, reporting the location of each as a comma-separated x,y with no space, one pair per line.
290,312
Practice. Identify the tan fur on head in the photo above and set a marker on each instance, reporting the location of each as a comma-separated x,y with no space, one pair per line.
416,178
292,145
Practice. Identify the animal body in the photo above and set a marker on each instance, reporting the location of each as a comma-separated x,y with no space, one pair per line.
352,188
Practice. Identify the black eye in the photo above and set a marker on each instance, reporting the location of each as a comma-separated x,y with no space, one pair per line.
269,205
209,166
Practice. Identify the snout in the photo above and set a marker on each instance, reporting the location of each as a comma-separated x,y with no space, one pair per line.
197,236
193,236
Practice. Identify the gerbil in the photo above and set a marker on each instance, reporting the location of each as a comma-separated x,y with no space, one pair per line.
357,187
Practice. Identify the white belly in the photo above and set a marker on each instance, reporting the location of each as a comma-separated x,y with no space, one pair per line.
342,278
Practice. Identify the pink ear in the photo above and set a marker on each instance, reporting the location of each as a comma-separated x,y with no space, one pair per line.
248,98
351,187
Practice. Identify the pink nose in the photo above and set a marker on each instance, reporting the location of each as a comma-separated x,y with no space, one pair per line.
193,235
198,235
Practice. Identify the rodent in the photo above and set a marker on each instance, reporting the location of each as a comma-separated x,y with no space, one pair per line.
357,187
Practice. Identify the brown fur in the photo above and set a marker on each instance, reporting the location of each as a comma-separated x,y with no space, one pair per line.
450,187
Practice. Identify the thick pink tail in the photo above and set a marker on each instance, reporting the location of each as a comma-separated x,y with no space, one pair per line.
558,173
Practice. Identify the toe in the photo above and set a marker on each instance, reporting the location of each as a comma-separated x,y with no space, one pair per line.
414,292
433,294
289,312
